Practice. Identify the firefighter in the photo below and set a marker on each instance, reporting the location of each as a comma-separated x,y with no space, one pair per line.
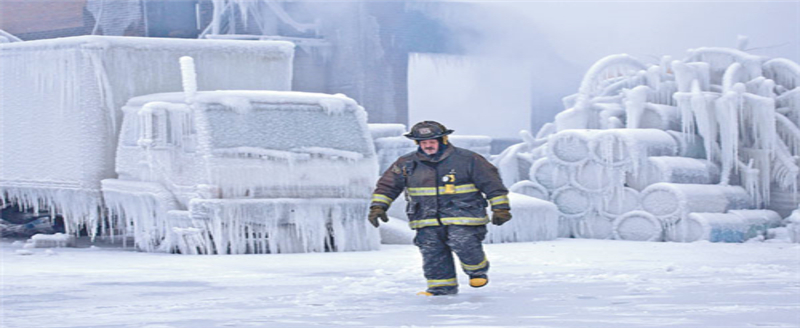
447,190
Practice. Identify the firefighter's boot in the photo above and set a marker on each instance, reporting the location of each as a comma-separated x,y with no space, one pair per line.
478,280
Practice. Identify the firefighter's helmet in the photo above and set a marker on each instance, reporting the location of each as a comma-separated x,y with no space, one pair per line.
427,130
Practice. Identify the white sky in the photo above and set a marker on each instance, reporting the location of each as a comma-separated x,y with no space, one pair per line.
563,39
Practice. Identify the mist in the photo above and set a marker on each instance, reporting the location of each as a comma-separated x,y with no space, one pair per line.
546,47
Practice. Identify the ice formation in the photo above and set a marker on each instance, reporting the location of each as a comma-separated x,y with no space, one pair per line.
61,101
534,220
715,131
244,172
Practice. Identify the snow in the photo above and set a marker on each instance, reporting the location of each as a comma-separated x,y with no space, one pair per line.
560,283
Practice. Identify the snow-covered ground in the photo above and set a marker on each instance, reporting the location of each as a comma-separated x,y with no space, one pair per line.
560,283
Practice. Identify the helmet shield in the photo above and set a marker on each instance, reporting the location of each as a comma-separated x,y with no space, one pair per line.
427,130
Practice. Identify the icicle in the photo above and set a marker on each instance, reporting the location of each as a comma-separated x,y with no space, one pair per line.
634,105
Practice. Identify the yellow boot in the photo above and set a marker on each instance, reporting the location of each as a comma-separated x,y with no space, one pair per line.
478,281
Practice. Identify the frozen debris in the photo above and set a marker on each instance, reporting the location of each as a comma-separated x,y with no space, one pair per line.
715,131
534,220
23,252
54,240
731,227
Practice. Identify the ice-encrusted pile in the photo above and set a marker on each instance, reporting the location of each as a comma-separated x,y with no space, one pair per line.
60,101
707,147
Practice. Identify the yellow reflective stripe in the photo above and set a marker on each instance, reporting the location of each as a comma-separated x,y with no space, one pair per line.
463,189
431,191
422,191
381,198
465,221
416,224
476,266
499,200
443,282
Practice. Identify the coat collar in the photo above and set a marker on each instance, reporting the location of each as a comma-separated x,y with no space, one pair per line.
436,157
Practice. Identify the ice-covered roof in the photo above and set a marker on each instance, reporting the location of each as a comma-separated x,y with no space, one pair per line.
234,98
276,48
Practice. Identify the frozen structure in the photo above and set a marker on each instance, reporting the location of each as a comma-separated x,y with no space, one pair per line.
684,150
193,171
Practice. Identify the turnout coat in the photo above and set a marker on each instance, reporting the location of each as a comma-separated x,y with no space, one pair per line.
447,189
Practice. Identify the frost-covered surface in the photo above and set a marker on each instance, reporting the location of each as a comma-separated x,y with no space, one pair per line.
281,225
244,172
534,220
60,103
563,283
720,119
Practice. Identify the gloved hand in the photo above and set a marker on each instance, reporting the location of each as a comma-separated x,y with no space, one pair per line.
500,216
376,212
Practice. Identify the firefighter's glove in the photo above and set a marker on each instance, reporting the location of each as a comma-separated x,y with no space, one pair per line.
500,216
376,212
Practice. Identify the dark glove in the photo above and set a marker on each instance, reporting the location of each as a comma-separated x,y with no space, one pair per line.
376,212
500,216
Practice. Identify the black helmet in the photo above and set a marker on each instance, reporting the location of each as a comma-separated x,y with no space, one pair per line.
427,130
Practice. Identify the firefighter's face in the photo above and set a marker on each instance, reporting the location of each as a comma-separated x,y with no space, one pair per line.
430,146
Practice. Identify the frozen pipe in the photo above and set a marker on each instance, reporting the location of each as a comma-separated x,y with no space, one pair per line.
628,147
534,220
189,78
595,177
549,174
572,202
614,65
530,188
677,200
783,71
570,147
731,227
638,226
619,201
675,170
592,226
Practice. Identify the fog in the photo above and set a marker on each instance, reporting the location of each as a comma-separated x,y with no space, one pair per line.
547,46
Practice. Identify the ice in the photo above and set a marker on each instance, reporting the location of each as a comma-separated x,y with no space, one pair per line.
534,220
732,227
54,240
638,226
383,130
61,101
283,225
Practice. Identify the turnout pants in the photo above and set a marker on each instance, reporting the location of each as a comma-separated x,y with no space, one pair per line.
437,245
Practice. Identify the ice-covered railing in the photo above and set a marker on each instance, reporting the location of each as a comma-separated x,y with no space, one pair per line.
720,116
